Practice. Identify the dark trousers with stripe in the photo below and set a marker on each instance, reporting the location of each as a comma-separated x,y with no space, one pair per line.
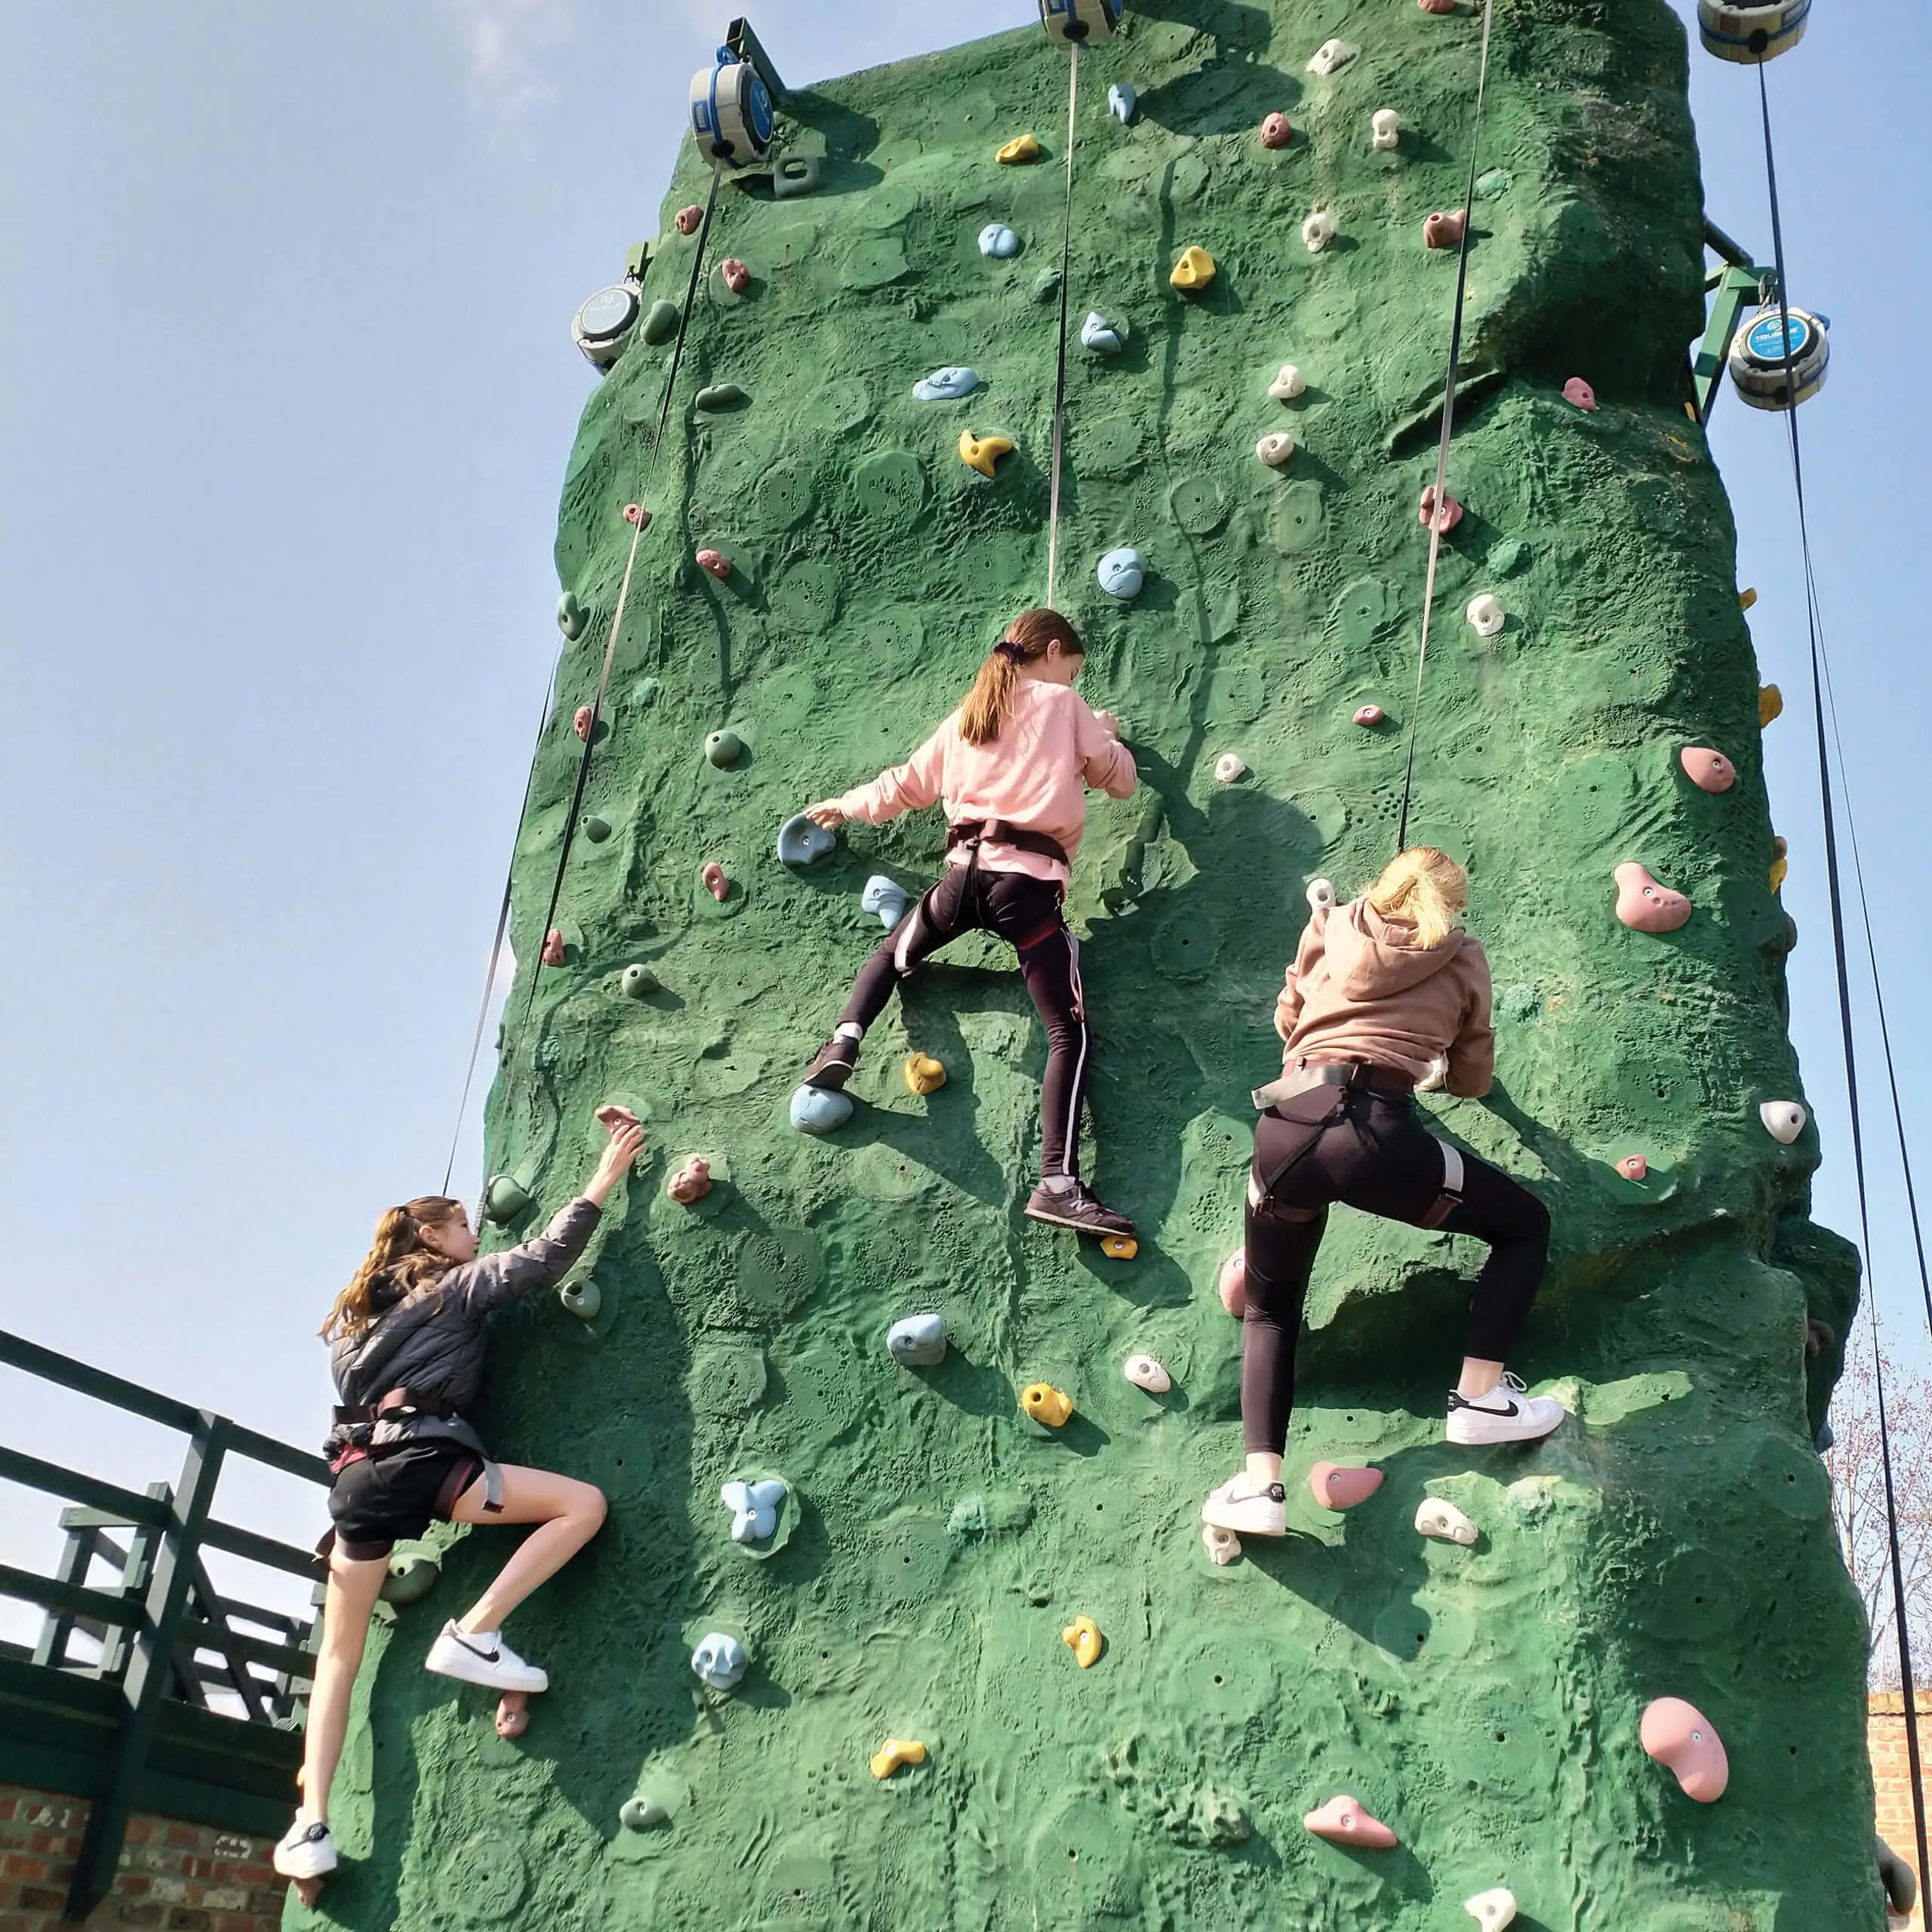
1025,913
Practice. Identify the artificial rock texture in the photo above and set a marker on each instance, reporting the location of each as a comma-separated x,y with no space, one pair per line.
1673,1539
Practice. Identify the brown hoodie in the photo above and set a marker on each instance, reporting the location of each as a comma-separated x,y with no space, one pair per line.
1360,988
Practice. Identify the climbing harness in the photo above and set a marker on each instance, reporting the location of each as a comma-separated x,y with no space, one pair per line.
731,117
1448,430
969,832
1059,368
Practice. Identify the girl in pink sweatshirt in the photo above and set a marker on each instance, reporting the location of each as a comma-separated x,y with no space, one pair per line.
1011,767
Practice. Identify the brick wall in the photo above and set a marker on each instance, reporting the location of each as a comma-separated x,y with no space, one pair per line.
174,1877
1891,1773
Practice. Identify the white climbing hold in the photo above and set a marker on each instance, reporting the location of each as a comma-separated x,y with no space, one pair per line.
1144,1372
754,1508
1229,769
1330,55
886,897
1437,1076
1485,614
1443,1522
1493,1911
1275,448
1122,101
1386,130
1784,1120
719,1660
917,1341
1317,231
1223,1546
1287,384
1097,333
1320,894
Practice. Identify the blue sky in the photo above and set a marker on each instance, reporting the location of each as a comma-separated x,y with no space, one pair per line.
289,393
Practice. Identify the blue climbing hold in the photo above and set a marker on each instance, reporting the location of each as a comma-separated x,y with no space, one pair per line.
1122,101
1121,573
917,1341
946,385
1097,333
998,241
720,1661
800,842
885,897
819,1110
754,1508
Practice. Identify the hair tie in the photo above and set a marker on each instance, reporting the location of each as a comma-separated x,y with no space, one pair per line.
1013,653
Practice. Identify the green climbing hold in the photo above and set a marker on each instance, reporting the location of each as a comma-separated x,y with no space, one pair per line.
504,1199
411,1579
659,323
642,1814
596,829
639,980
721,396
584,1299
571,616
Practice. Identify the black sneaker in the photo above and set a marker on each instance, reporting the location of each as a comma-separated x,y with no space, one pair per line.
1077,1208
831,1066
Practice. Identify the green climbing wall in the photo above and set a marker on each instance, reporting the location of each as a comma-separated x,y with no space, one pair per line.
1674,1539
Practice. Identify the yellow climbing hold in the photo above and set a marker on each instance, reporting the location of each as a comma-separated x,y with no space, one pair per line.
1021,148
1195,269
1082,1637
1119,1247
1045,1404
923,1074
1770,704
1746,598
895,1751
1781,863
981,452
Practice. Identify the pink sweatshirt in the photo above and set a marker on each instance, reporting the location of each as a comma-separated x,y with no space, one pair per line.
1033,775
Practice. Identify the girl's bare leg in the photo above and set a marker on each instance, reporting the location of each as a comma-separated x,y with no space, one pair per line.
568,1513
346,1607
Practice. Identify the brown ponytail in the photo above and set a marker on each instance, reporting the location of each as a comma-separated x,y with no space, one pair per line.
986,707
398,1249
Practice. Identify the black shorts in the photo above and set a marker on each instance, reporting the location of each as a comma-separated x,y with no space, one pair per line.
394,1495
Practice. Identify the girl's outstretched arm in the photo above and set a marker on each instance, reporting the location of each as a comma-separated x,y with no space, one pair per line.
909,787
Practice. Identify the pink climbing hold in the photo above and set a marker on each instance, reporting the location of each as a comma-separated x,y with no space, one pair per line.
1437,6
1645,906
688,218
552,954
691,1183
737,277
1335,1488
715,883
581,723
1633,1167
1579,391
1445,519
1441,230
1679,1735
637,514
716,562
1370,714
1233,1284
1346,1820
1709,770
1276,131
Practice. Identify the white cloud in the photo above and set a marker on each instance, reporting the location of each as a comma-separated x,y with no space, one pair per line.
507,41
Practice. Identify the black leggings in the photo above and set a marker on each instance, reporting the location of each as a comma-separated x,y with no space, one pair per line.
1025,913
1380,1158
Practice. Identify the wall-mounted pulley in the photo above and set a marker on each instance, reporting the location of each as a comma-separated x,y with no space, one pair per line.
1763,371
731,113
1751,34
1085,22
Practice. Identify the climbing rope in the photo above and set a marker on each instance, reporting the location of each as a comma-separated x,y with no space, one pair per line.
1059,370
1448,430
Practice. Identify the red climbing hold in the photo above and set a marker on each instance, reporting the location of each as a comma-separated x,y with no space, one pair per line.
1233,1284
636,513
1679,1735
1344,1820
691,1183
718,565
1276,131
1335,1488
737,277
1633,1167
1645,906
1709,770
1579,391
1445,231
1370,714
688,219
581,723
1445,519
715,883
512,1713
552,954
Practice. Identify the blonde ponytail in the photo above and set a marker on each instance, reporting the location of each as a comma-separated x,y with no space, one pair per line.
398,1248
985,709
1423,888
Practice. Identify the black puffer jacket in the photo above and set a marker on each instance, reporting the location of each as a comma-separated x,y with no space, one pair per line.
430,1341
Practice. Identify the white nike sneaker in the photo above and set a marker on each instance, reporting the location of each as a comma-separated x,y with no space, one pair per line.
1507,1413
482,1657
306,1851
1248,1508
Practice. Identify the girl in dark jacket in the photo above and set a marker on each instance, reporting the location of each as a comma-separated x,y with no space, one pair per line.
407,1338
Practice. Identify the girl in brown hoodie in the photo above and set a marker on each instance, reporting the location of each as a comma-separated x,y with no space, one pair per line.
1384,993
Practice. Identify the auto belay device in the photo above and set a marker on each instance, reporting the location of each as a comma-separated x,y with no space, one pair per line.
1081,22
1751,34
730,111
1759,356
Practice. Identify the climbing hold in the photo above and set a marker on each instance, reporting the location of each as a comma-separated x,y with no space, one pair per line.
1633,1167
754,1508
1750,34
1194,270
512,1714
981,452
723,748
1680,1735
691,1183
1022,148
1645,906
1232,1283
1046,285
1444,520
1771,705
639,980
411,1579
583,1298
1579,391
945,385
1288,383
1098,333
1275,448
716,563
1045,1404
715,396
1897,1880
897,1752
1784,1120
1317,231
636,514
714,882
1119,1247
1384,129
1493,1911
1122,101
720,1661
687,219
1746,599
1275,130
735,276
1445,231
923,1074
796,174
1081,20
552,954
1437,6
999,241
885,897
505,1198
1443,1522
596,829
1709,770
1780,862
659,323
572,618
1330,55
1222,1546
641,1814
1144,1372
1344,1821
820,1110
917,1341
1121,572
1321,893
800,840
1485,615
1229,769
1082,1637
1336,1487
1369,714
581,723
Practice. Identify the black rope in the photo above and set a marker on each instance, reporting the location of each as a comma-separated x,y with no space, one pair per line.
1060,371
1448,430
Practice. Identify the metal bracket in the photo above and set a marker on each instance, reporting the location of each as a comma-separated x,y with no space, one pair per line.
745,44
1740,280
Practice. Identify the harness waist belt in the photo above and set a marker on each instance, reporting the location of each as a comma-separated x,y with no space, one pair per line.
1357,1074
970,832
388,1409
